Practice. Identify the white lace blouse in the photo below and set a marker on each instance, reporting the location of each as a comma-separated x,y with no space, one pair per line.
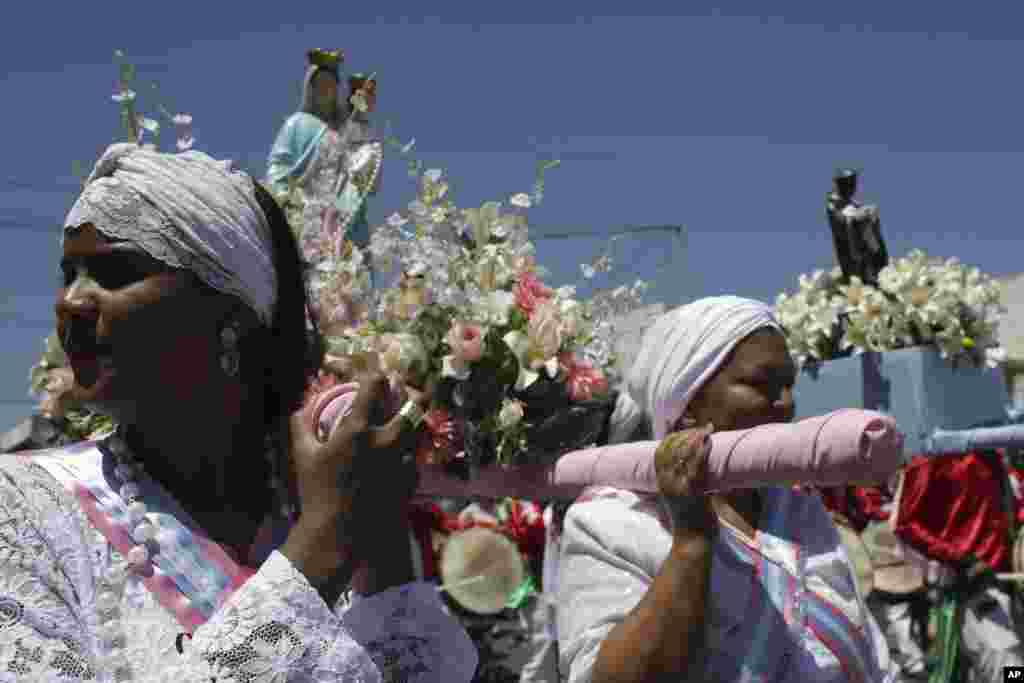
55,624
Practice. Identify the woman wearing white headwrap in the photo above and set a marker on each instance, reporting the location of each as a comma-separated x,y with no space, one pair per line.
748,586
166,551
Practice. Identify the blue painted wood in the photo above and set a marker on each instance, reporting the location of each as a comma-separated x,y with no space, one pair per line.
916,386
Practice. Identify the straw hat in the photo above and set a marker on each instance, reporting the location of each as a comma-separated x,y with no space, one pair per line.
893,573
481,569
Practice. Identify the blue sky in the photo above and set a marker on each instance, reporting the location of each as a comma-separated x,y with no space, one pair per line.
724,119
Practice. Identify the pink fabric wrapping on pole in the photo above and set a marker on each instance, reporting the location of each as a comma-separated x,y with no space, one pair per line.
830,450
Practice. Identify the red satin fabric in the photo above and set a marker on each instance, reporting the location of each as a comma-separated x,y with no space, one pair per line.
857,504
952,507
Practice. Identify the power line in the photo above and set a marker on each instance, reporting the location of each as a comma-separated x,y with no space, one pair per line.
7,224
678,229
21,321
61,184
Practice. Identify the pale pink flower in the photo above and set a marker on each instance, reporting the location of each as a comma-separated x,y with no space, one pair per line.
583,379
545,333
530,292
466,341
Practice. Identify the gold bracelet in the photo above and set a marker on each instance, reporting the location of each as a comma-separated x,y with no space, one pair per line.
412,413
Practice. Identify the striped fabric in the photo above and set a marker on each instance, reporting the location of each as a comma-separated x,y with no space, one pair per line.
783,604
190,575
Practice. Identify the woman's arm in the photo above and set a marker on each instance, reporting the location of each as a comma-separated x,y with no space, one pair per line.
663,637
651,629
621,618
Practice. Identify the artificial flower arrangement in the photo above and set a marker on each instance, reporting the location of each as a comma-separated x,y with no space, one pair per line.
918,301
135,121
524,370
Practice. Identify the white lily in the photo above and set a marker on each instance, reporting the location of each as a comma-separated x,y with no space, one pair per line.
526,354
451,367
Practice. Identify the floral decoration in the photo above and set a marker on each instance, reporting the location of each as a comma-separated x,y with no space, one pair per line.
918,301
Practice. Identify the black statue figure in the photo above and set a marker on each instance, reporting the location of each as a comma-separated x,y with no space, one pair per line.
856,230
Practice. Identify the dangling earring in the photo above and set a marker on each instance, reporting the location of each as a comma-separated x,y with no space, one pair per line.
229,356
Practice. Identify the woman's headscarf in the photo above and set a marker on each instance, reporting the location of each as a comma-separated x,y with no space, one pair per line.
679,353
188,211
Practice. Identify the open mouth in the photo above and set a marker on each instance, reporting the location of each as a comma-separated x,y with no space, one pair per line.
91,371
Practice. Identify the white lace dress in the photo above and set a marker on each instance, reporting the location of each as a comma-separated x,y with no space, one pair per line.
56,625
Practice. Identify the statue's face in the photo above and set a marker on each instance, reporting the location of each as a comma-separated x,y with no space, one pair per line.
325,92
846,186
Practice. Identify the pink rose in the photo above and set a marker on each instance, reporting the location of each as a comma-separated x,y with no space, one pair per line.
343,314
530,292
583,380
441,438
466,341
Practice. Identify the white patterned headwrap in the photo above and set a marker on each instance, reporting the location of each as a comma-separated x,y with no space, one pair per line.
679,353
188,211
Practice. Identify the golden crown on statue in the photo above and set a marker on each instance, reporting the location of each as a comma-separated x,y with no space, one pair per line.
326,59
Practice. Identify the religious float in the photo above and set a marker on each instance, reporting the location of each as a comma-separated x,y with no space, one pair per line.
525,372
916,339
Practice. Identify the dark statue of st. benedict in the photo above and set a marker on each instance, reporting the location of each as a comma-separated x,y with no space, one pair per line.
856,230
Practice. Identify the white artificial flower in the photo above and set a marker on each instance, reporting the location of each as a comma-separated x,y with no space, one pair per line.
494,307
403,355
511,414
521,200
573,319
565,292
995,356
452,367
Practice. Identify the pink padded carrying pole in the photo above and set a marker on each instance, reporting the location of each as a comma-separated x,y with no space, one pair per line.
830,450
